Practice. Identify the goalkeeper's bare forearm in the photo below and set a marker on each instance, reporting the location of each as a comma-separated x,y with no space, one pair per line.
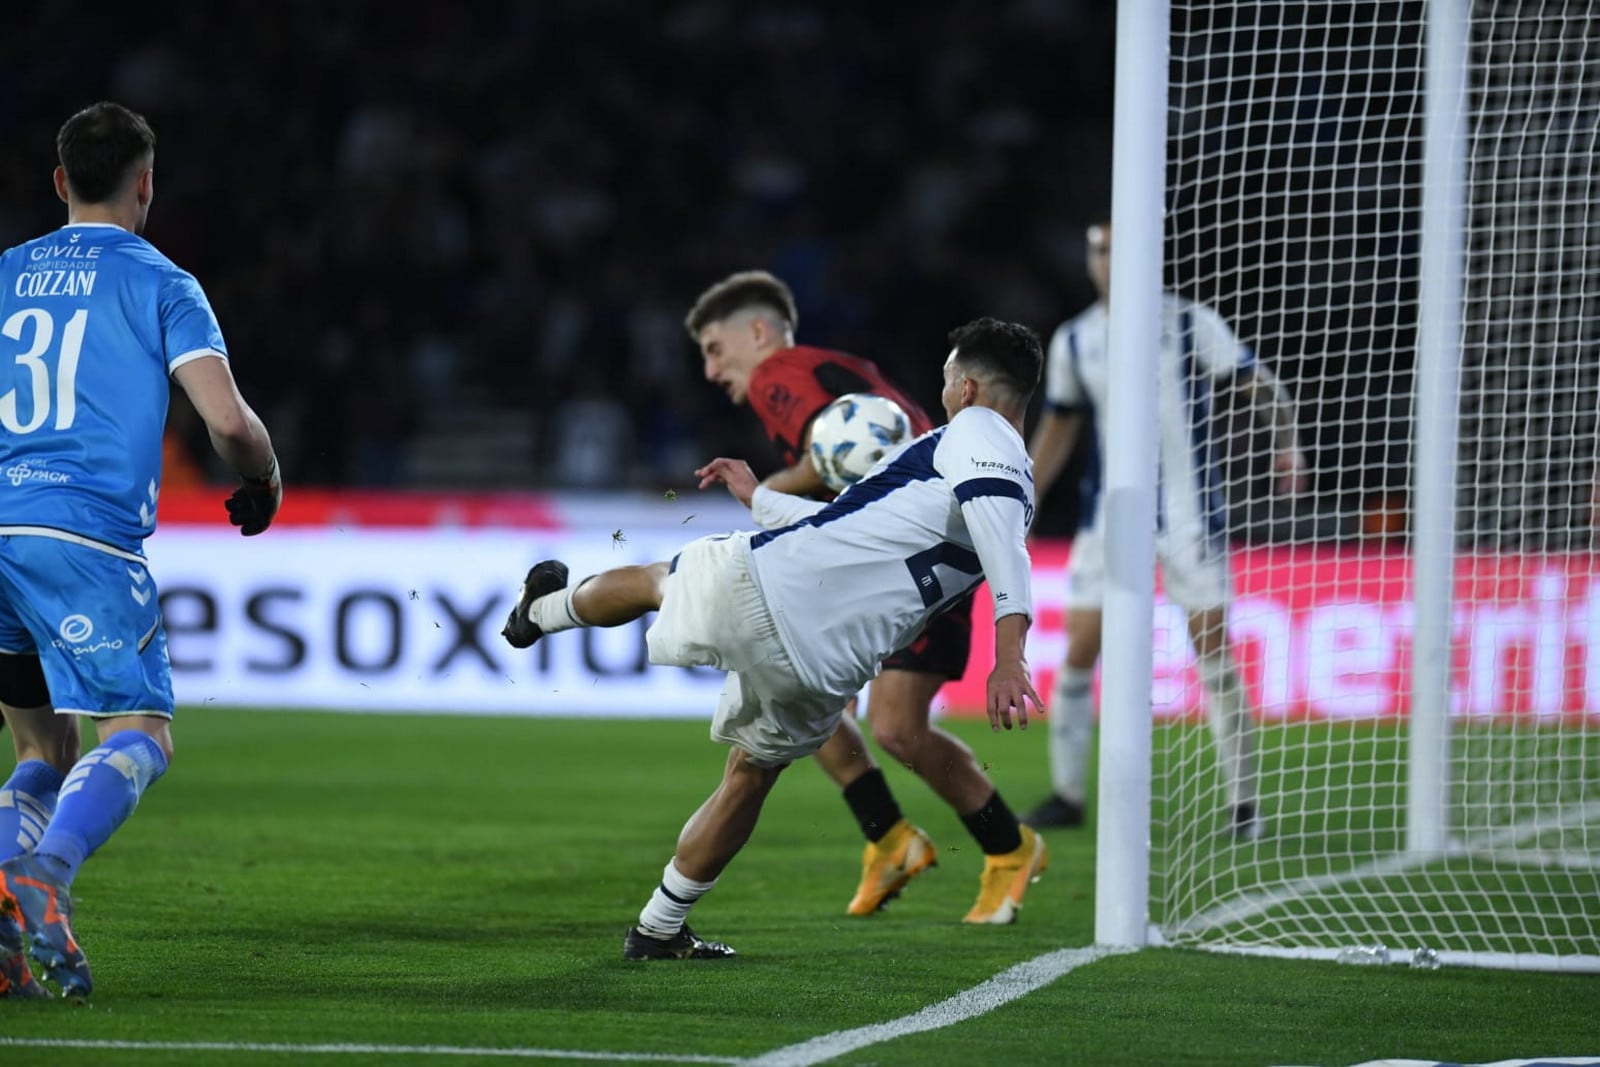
240,438
236,432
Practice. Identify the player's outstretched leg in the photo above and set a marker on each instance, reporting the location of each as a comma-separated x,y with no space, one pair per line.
1006,878
547,576
888,864
28,890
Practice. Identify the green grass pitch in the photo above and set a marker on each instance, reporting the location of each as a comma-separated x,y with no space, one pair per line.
304,878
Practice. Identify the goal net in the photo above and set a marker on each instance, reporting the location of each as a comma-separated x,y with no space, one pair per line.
1297,173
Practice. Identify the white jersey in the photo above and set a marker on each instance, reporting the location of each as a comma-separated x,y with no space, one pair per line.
858,578
1197,350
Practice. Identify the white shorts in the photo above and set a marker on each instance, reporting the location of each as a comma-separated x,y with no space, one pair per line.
1194,571
713,615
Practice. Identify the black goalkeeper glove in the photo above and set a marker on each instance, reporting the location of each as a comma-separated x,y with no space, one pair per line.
253,505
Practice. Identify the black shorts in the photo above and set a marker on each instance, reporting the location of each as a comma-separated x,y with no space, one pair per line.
942,647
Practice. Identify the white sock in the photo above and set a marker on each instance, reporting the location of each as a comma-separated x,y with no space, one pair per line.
670,903
1071,731
554,612
1228,708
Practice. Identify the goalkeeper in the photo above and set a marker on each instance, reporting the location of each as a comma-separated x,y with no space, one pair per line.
80,620
1198,351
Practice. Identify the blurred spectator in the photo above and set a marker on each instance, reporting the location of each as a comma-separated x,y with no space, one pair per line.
1385,517
591,437
421,225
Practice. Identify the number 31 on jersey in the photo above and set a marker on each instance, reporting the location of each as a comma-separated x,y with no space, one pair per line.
36,327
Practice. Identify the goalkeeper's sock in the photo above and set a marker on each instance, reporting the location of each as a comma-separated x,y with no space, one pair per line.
874,807
1228,707
97,797
26,802
1071,730
669,905
554,612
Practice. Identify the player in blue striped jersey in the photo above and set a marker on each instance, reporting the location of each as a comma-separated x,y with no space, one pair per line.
1199,354
94,325
801,615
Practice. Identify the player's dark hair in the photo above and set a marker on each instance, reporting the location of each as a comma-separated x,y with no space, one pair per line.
740,292
1006,353
99,145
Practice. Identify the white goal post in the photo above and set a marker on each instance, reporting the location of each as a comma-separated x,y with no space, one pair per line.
1395,208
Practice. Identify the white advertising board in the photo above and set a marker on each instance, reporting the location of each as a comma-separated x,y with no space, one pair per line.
402,621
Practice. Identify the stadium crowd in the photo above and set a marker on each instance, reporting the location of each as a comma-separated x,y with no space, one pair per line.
497,204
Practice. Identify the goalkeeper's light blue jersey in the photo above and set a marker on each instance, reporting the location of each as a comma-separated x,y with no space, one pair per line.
93,320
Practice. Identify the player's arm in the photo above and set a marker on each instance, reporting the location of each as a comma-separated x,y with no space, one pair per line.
769,508
787,496
1010,684
773,510
986,468
801,479
998,521
1066,404
239,437
1226,358
1051,446
1270,402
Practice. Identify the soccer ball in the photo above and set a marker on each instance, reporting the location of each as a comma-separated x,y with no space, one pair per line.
854,432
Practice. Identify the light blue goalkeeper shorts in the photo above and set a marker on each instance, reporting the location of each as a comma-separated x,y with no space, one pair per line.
95,621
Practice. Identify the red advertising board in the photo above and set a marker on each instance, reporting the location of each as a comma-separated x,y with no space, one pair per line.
1325,632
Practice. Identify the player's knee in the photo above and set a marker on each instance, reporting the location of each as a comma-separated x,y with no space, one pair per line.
1082,658
1083,641
656,582
1208,632
751,773
898,736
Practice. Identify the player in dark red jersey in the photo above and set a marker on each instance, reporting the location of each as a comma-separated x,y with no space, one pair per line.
744,326
786,393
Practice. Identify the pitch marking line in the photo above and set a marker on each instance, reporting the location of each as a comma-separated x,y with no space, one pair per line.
1003,988
1542,1061
368,1050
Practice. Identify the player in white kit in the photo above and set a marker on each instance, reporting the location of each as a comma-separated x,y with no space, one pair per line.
1198,353
801,615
